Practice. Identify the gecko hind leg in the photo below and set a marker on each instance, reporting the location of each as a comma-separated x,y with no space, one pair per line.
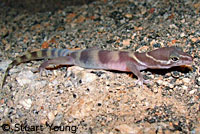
65,60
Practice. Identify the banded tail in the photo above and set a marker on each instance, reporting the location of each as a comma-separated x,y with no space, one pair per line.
41,54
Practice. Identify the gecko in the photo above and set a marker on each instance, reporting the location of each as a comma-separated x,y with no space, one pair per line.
94,58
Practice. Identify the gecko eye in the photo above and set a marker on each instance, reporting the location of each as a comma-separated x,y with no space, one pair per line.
174,58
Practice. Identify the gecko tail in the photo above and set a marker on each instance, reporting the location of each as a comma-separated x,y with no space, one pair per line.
35,55
6,74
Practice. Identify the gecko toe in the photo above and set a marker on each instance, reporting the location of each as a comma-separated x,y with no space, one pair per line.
142,82
139,82
43,71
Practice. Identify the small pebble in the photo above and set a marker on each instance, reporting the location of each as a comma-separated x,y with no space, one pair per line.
51,116
159,82
126,129
184,87
26,103
126,42
43,121
182,35
198,81
171,85
128,15
54,83
193,91
58,120
186,80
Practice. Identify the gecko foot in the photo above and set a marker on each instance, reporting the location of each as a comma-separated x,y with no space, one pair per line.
43,71
142,82
139,82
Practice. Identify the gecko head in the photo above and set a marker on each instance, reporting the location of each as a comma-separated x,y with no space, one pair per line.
177,57
168,57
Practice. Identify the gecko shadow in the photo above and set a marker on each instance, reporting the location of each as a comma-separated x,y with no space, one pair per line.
98,72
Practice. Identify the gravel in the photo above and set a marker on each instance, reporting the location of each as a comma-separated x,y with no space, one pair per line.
77,100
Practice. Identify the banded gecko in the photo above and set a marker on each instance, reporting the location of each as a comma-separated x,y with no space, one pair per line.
93,58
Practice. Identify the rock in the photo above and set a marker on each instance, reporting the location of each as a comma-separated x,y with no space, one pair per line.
38,84
26,103
126,42
58,119
25,77
184,87
186,80
126,129
182,35
4,64
128,15
88,77
193,91
51,116
159,82
29,78
198,81
80,74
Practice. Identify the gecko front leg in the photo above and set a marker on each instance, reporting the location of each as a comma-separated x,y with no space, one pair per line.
133,68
